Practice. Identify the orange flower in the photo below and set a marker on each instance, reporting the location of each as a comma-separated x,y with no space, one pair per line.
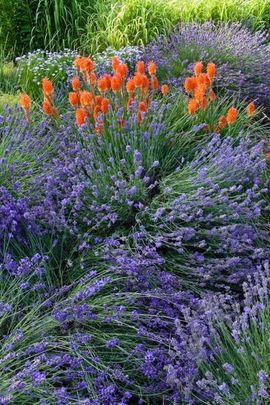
77,64
140,67
164,89
231,115
105,105
216,129
204,103
138,81
192,106
25,101
251,109
86,64
152,68
139,116
80,116
116,83
198,68
190,84
73,99
98,100
91,78
122,70
86,98
76,84
222,121
102,84
47,87
107,79
47,107
142,106
212,95
130,86
97,110
154,82
199,93
145,82
115,63
211,71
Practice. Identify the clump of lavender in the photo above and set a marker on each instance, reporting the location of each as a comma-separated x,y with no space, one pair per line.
101,337
241,57
239,371
208,213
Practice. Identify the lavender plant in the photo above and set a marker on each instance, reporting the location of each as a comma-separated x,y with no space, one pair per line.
239,370
208,213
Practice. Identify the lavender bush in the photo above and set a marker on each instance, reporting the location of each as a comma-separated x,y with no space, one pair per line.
121,252
239,370
209,213
242,57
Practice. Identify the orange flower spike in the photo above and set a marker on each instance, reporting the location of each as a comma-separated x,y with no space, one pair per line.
77,64
47,107
222,122
251,109
105,105
47,87
102,84
140,67
92,79
107,79
198,67
25,101
97,110
98,100
152,69
192,106
73,98
115,63
145,83
86,98
80,115
76,84
211,71
142,106
123,70
164,89
204,103
139,117
190,84
216,129
154,82
231,115
116,83
130,86
212,95
199,94
86,64
138,81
